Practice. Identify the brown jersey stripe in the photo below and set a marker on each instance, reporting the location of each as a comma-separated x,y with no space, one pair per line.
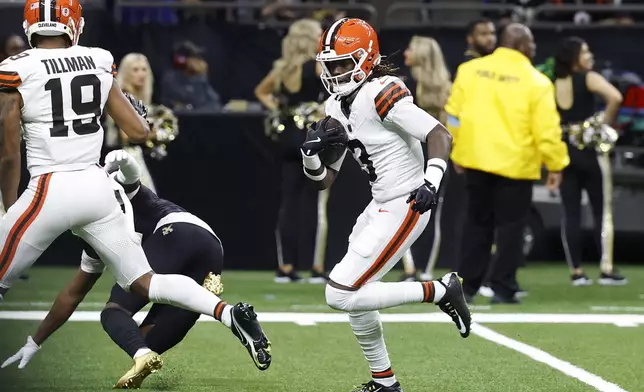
389,103
22,224
390,88
53,16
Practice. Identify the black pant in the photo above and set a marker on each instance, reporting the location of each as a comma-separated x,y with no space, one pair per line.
185,249
297,218
498,205
582,173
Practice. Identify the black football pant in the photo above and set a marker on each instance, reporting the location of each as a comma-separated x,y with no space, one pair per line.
582,173
297,217
184,249
495,205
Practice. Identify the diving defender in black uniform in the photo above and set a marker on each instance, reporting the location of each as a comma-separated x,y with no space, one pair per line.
174,241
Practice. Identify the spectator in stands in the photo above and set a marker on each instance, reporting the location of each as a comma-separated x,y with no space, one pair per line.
294,83
433,83
135,78
576,86
12,45
186,86
274,9
481,38
504,120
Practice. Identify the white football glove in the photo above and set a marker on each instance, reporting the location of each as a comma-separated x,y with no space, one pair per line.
115,159
130,171
24,355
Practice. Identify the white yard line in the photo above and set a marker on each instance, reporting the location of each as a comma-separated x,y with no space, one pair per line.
617,308
541,356
12,304
336,317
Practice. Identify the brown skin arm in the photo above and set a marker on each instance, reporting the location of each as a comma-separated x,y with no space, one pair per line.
611,95
10,105
439,143
125,117
66,303
264,92
328,180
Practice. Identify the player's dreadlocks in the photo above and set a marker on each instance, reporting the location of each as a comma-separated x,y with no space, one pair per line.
385,68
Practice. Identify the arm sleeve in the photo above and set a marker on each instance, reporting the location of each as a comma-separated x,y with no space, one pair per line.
105,61
11,76
546,128
409,118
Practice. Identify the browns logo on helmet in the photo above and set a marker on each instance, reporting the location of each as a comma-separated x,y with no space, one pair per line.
348,53
52,18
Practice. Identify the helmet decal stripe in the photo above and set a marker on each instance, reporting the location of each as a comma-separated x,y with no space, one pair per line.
46,17
41,11
335,33
332,32
52,8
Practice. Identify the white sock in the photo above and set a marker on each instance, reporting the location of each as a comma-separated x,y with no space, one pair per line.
439,291
222,313
183,292
376,296
368,330
141,352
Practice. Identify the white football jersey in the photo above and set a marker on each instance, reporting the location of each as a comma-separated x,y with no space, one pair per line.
385,131
64,93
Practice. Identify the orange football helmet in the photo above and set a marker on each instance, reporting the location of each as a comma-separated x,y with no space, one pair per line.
54,17
348,52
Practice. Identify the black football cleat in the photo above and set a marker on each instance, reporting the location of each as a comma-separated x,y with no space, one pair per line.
373,386
245,326
454,304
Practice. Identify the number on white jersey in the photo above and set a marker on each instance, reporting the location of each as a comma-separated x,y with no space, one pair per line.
54,87
360,154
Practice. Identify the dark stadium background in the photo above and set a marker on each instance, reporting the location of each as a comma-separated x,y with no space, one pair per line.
221,167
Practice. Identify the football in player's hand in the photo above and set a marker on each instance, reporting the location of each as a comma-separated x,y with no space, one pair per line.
338,140
331,154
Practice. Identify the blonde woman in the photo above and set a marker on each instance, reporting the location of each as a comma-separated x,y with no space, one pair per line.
293,86
135,77
433,84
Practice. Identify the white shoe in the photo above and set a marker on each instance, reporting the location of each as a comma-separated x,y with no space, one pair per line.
486,292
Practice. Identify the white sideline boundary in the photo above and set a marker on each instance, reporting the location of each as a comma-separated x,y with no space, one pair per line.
621,320
541,356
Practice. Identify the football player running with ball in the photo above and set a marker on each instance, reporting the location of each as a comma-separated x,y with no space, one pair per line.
371,113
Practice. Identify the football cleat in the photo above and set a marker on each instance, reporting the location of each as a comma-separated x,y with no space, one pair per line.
453,303
143,367
373,386
249,332
612,279
213,284
318,277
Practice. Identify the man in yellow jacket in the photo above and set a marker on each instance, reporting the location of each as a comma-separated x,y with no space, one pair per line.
504,120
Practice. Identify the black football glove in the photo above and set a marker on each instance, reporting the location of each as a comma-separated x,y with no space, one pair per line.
319,136
138,105
424,198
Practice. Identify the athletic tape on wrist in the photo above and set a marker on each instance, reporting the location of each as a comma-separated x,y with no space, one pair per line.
314,177
435,170
311,162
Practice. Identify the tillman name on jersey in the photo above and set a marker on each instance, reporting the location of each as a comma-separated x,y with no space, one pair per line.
68,64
